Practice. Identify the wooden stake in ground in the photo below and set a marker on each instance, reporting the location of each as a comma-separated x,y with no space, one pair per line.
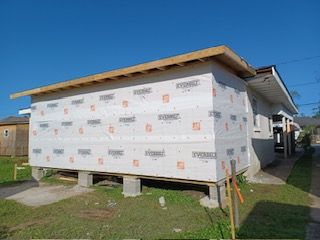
233,234
15,172
234,196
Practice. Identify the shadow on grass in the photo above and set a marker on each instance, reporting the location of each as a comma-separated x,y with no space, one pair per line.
275,220
4,232
301,173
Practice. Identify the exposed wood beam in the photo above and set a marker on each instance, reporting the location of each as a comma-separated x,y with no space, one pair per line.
162,68
223,53
181,64
101,80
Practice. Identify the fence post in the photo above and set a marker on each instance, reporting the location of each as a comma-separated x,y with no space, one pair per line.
15,172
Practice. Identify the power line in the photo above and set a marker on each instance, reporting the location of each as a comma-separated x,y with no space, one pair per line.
308,104
298,60
304,84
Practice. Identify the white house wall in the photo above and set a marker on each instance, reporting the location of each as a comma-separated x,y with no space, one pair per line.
158,125
261,143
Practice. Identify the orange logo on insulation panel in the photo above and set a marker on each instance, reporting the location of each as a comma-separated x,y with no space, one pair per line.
125,103
71,159
111,129
214,92
81,130
66,111
148,127
166,98
100,161
196,126
180,165
93,108
223,165
136,163
226,126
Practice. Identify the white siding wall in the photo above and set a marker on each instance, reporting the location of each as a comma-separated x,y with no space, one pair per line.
261,144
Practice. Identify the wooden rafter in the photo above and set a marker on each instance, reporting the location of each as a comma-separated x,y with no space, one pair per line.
221,53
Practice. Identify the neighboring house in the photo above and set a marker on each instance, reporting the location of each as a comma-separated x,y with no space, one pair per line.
14,136
310,121
26,112
181,119
271,108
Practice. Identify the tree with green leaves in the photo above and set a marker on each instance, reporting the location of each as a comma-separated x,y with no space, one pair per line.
316,111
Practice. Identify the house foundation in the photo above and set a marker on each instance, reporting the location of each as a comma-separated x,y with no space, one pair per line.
37,173
216,198
85,179
131,186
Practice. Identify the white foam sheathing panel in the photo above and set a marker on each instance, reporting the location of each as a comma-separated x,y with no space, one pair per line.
230,121
160,128
170,125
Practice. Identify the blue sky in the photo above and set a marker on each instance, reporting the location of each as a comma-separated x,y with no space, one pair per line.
43,42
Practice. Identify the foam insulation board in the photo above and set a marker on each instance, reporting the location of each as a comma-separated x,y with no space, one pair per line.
173,125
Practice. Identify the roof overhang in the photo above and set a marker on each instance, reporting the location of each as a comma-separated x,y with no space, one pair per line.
221,54
25,111
269,84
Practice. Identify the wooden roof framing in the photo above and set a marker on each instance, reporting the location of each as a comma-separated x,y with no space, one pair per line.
221,53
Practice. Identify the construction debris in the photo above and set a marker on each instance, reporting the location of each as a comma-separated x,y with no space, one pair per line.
162,201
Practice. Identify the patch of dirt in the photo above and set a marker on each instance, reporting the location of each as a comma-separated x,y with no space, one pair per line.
195,194
96,214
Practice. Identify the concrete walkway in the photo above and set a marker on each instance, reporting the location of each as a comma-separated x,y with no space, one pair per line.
32,193
313,228
278,171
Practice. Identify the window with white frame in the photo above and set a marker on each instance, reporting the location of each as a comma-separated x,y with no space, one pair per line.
255,113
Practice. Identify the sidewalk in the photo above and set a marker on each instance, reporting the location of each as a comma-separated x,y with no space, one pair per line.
278,171
313,228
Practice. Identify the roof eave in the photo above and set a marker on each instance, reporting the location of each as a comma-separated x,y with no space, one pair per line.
221,53
285,89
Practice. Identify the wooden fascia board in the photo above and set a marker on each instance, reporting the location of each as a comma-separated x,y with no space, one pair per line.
231,59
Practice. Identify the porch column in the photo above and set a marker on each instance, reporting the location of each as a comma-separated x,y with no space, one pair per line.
285,142
289,137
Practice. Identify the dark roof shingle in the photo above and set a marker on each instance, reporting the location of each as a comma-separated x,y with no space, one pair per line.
12,120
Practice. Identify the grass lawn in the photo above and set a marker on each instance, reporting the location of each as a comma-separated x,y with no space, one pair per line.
268,212
282,211
7,168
